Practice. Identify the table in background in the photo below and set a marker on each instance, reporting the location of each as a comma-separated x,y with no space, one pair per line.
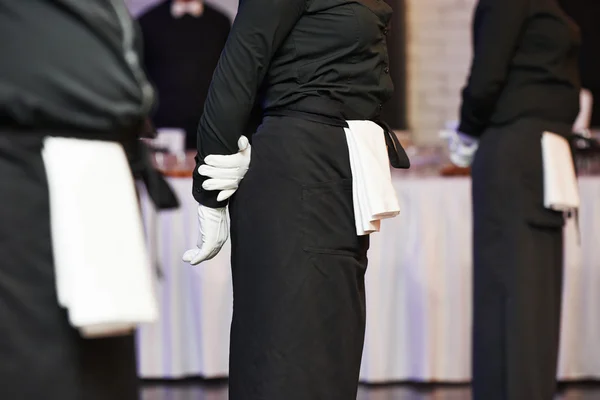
418,291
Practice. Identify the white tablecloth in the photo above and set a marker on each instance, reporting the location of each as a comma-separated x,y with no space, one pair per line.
418,291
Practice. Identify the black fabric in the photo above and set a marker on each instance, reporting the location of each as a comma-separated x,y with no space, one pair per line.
138,156
518,260
395,111
335,49
323,110
64,67
298,268
41,356
587,14
159,190
180,56
396,153
525,65
140,162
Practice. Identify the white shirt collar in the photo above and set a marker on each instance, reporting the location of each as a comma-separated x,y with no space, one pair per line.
194,8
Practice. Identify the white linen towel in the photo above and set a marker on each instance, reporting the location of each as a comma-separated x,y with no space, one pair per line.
374,195
586,104
561,192
103,274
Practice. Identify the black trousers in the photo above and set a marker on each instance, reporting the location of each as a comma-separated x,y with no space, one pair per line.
298,268
518,258
41,356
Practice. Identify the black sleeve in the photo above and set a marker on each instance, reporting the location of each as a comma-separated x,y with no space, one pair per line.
257,32
497,29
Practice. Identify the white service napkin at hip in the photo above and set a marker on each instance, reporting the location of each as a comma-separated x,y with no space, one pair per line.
372,190
102,268
561,192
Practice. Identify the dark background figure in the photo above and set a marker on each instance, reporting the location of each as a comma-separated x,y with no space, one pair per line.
69,68
586,14
524,80
180,56
394,112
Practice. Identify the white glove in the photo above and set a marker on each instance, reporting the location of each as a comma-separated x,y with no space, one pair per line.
462,147
213,231
226,172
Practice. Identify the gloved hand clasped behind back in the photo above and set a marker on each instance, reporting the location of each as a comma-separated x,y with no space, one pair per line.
225,173
213,231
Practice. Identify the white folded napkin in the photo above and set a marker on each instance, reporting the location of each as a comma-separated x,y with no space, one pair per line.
586,103
561,192
374,195
103,274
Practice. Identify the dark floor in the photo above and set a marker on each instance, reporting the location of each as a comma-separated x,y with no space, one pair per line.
218,391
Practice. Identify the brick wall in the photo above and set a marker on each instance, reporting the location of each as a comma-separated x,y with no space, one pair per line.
438,57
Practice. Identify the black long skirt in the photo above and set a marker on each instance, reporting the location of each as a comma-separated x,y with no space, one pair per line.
41,356
298,268
518,258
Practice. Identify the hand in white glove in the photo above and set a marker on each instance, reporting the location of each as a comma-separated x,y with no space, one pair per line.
213,231
462,147
226,172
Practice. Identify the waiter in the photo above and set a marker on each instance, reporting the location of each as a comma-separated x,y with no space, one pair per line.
183,40
299,257
68,69
523,82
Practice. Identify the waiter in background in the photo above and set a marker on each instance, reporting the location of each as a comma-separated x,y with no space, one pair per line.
586,14
69,69
183,40
523,82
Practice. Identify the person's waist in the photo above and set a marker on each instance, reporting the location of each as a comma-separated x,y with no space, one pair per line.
320,109
327,111
108,136
558,117
558,102
536,125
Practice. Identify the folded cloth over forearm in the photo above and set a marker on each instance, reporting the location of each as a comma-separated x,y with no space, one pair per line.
103,273
374,195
